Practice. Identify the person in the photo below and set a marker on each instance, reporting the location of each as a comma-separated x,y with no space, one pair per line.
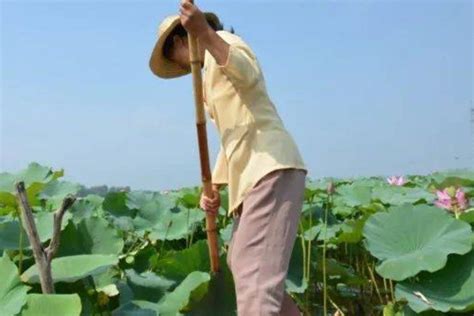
258,159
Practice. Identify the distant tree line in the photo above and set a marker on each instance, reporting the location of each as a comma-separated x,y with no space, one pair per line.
101,190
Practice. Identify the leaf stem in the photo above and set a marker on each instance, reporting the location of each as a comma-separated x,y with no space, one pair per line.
385,289
336,306
20,243
372,277
325,307
304,250
391,290
308,263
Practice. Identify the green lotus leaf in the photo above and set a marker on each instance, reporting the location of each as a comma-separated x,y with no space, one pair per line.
84,208
368,181
148,285
314,186
194,286
7,210
409,239
458,177
137,308
468,215
219,299
7,182
144,257
294,282
8,201
391,310
55,191
137,199
320,232
312,232
226,232
12,291
397,195
395,310
115,203
35,178
177,265
88,206
10,234
351,230
33,173
59,189
72,268
151,211
92,235
176,223
449,289
343,210
189,197
107,280
219,296
224,201
52,304
338,272
10,230
156,213
354,194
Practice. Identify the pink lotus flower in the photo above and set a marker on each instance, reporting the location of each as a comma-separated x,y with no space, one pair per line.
444,199
396,180
462,199
452,199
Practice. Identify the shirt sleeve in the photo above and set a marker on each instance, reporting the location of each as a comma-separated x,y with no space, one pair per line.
241,66
208,111
219,174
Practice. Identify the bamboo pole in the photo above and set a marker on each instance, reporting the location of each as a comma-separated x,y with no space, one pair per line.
211,227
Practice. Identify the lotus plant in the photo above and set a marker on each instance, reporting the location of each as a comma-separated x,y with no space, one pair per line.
452,199
331,189
396,180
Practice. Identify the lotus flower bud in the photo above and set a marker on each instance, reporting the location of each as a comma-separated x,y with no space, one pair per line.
331,188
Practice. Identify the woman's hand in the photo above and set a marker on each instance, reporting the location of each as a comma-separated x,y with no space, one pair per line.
195,23
211,205
192,19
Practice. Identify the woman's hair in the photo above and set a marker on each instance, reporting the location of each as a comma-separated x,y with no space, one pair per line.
181,31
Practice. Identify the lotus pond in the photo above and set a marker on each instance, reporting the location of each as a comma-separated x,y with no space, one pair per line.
401,245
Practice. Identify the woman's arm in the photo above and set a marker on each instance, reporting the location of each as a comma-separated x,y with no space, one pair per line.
218,48
194,21
233,56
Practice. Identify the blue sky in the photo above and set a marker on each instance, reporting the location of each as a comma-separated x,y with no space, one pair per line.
364,87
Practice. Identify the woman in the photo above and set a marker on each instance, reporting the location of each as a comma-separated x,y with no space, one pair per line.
258,159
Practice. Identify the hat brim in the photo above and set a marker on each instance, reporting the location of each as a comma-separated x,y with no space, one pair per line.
162,66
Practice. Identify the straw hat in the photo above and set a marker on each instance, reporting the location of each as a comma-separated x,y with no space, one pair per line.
159,64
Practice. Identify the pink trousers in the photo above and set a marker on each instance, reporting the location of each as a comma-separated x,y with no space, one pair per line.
264,231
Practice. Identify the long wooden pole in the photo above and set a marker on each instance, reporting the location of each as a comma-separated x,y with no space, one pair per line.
211,227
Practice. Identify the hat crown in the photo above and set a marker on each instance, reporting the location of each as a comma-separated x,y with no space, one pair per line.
166,23
161,66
